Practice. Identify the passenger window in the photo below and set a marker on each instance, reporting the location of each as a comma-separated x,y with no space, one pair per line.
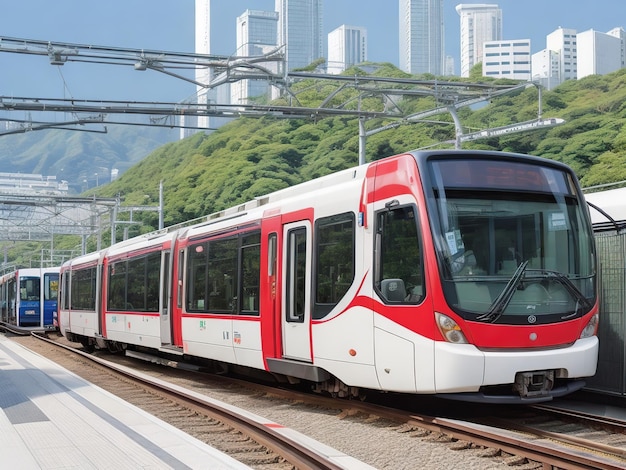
296,275
134,284
223,275
398,268
250,273
334,261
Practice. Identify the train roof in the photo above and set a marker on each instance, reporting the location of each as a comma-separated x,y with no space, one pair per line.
612,201
83,259
37,271
140,242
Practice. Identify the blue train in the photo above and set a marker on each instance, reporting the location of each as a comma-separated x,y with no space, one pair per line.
28,297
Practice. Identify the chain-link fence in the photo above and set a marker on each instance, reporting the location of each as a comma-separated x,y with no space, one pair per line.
610,377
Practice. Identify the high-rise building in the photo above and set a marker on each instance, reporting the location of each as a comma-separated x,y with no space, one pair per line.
598,53
563,42
422,36
207,96
571,55
347,46
545,68
621,34
203,46
479,23
507,59
449,67
300,31
256,35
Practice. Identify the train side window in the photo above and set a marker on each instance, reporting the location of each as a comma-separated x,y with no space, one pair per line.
134,284
30,289
296,275
152,283
271,254
65,293
334,261
197,267
51,286
116,298
399,271
83,295
179,283
165,292
11,290
250,273
222,281
212,276
223,275
136,293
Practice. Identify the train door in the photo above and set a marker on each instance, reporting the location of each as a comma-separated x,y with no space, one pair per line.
3,301
270,287
30,306
12,300
50,297
296,287
166,322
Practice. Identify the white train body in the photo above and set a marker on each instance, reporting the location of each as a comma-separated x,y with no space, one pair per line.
365,279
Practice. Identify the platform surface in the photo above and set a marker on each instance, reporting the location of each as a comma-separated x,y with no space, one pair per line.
52,419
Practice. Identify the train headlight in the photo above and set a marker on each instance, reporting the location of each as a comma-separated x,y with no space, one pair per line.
591,328
450,329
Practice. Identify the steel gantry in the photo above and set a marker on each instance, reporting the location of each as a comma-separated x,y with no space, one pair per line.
39,217
344,96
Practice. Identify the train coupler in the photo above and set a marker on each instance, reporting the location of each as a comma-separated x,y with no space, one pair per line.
535,383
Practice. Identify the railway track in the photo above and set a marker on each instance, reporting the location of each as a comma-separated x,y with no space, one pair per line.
522,441
258,445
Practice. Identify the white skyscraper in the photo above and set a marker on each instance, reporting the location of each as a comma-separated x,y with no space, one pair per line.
212,96
479,23
347,46
256,35
621,34
507,59
545,68
422,36
563,42
203,46
300,30
449,67
598,53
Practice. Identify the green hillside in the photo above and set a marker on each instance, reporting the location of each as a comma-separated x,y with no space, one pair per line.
251,157
77,156
593,139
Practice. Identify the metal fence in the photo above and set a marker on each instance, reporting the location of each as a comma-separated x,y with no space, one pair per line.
610,377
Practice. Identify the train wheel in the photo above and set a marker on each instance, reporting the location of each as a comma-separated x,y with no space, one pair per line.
87,345
115,348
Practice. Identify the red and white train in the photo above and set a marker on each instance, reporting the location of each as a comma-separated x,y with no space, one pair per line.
466,274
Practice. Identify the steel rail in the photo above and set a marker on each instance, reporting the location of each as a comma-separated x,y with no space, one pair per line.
553,450
266,434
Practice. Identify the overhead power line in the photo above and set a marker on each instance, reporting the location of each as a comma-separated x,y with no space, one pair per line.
344,95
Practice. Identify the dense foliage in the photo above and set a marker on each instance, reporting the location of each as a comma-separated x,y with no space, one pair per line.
252,157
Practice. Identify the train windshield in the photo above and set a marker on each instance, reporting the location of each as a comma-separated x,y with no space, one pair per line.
29,288
513,241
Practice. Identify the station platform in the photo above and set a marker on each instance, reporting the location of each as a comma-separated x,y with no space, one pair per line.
53,419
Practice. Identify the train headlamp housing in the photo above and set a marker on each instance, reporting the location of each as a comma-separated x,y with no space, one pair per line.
591,328
450,329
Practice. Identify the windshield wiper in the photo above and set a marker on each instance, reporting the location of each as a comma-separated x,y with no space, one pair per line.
565,282
497,307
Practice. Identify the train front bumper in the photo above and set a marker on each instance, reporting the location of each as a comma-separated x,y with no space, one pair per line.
464,370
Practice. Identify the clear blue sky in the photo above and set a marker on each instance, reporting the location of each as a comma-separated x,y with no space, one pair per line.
168,25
